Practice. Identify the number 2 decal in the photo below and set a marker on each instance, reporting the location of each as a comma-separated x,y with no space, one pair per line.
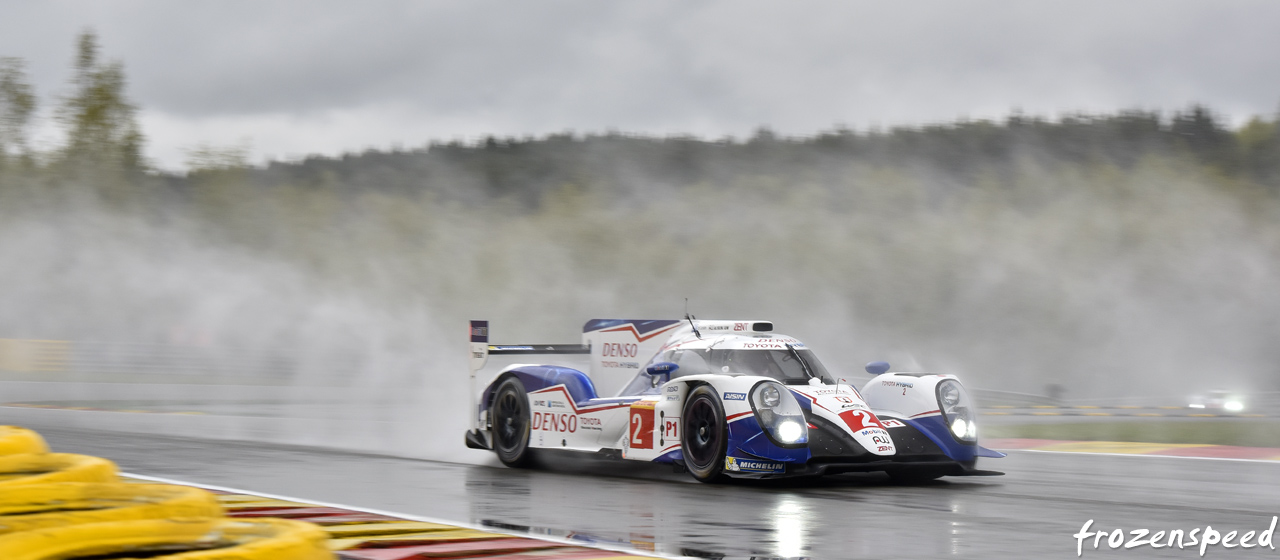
641,428
637,422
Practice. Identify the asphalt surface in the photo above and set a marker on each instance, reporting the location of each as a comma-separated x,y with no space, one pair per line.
1030,513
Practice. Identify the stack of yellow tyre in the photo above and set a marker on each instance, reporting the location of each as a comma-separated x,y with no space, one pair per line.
59,506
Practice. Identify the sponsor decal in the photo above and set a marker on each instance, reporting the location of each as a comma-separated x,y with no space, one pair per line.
907,384
840,391
673,388
552,422
873,432
590,423
891,423
716,328
555,404
884,447
845,400
881,440
491,348
735,396
739,327
854,405
673,397
773,344
540,403
752,465
619,350
623,365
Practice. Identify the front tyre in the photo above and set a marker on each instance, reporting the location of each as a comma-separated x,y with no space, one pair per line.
704,437
511,424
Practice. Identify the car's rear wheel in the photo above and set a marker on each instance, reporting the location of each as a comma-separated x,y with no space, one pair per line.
705,437
511,424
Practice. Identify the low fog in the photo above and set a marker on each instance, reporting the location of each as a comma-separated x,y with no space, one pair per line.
1147,280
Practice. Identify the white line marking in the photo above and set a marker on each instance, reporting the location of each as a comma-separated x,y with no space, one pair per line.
409,517
1271,461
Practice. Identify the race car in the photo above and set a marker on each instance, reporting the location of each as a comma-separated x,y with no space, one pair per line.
720,399
1219,400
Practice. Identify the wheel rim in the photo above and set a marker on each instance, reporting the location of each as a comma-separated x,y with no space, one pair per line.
509,416
703,433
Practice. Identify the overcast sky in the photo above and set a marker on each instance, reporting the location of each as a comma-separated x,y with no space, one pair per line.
295,78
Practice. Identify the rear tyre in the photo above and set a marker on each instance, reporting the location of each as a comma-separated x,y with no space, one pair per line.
704,437
511,424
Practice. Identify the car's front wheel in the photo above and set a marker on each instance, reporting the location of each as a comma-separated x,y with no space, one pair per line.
704,438
511,423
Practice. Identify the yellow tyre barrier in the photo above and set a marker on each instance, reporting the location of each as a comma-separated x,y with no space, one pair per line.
58,504
189,539
15,440
39,468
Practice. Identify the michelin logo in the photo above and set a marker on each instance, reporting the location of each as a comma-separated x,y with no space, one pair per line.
750,465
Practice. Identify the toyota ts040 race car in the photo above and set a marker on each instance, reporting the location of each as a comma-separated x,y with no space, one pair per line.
720,398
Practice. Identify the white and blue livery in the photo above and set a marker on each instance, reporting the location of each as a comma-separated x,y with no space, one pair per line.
720,399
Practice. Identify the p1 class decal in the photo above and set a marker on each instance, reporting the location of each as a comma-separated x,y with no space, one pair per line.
860,419
640,427
891,423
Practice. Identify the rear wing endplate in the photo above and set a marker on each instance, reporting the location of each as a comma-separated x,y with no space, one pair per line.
481,350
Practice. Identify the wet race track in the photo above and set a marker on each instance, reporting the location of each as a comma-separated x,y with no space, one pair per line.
1031,512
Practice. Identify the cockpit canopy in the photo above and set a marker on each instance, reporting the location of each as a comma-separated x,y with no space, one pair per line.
780,364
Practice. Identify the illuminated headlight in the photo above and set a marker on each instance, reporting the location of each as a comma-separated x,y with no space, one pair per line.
957,410
790,432
779,414
1234,406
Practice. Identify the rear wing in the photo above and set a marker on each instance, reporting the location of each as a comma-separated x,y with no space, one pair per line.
481,350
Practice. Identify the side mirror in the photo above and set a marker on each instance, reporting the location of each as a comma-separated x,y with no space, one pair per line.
662,368
877,368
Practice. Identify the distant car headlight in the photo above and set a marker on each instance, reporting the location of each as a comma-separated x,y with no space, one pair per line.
779,414
957,410
1233,406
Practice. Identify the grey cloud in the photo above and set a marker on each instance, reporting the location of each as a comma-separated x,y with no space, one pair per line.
715,66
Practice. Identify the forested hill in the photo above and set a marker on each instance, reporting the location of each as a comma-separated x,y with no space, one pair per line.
959,152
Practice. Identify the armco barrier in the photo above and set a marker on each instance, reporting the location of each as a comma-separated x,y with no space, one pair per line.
14,440
41,520
39,468
188,539
59,504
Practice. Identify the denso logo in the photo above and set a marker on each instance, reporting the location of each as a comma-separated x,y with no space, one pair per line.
614,349
551,422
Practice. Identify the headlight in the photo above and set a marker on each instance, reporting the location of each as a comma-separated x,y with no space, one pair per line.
957,410
769,396
1234,406
779,414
